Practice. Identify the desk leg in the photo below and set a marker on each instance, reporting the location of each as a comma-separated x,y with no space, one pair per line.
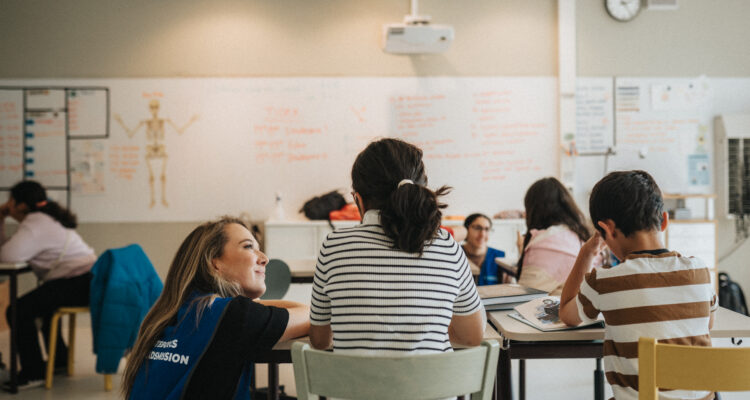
13,332
273,381
598,381
505,388
521,379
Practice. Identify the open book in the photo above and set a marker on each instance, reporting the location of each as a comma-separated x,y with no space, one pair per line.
543,314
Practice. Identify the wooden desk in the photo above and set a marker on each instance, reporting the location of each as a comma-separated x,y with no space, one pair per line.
281,354
12,270
522,342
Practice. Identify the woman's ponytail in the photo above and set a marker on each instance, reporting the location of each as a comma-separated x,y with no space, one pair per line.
412,216
389,176
60,214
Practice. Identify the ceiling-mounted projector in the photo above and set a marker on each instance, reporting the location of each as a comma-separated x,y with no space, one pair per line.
416,38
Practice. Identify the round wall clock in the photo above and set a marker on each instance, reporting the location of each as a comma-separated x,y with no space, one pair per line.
623,10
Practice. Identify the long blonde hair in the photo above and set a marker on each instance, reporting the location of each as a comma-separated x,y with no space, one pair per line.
190,271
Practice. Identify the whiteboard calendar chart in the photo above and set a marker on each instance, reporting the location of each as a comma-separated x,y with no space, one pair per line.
36,126
45,144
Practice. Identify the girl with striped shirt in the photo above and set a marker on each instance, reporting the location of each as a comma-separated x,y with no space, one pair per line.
396,283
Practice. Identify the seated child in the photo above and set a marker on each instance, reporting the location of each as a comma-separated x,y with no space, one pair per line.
653,292
556,231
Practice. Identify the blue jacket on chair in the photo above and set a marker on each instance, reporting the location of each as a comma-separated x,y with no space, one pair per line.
123,289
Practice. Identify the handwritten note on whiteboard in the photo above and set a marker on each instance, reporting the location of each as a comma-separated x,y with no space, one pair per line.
11,137
87,112
594,115
207,147
668,137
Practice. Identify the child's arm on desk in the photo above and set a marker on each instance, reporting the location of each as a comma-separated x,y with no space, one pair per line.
589,251
321,336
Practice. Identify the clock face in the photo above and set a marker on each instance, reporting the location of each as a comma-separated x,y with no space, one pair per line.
623,10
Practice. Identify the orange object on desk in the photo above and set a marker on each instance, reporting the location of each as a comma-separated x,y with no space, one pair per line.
349,212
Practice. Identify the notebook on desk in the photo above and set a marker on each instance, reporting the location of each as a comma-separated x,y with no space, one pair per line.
507,293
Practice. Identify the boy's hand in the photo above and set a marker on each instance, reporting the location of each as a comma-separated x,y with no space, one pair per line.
593,246
583,264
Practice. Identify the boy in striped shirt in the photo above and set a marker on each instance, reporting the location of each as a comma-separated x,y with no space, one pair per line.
653,292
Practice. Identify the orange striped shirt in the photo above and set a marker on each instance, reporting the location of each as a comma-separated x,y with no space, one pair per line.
666,296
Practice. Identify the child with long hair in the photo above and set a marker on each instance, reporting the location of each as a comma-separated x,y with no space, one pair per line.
555,231
46,239
396,283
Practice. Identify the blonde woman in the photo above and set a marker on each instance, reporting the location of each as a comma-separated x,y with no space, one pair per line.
201,336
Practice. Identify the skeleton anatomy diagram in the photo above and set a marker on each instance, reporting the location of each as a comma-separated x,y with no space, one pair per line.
156,152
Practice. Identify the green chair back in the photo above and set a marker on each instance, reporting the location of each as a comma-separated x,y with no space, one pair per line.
278,279
430,376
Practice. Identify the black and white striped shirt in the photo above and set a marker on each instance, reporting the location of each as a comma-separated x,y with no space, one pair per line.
381,300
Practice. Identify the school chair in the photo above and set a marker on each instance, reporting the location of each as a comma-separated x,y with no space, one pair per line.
690,368
52,345
426,376
278,279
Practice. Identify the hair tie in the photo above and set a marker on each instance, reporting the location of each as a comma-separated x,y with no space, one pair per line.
405,182
41,204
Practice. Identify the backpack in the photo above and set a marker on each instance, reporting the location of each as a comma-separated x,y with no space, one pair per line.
319,207
730,294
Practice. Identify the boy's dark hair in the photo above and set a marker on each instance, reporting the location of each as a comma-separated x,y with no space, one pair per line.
631,199
410,213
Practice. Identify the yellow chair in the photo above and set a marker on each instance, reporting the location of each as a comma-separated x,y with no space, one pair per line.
52,345
690,368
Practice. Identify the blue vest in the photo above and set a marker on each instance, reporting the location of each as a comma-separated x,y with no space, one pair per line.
169,365
488,274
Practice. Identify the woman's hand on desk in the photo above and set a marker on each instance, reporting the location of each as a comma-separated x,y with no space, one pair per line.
299,318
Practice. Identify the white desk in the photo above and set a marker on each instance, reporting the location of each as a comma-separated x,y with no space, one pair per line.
521,341
12,270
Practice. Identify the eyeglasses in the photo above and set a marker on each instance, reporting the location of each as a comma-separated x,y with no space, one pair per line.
481,228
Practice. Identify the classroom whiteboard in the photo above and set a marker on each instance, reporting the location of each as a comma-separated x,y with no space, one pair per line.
205,147
664,126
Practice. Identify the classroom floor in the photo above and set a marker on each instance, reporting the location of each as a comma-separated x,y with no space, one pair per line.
545,379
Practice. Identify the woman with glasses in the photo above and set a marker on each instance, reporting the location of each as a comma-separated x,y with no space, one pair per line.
481,257
556,230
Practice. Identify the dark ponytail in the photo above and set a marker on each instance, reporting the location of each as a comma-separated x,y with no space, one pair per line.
34,196
409,211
